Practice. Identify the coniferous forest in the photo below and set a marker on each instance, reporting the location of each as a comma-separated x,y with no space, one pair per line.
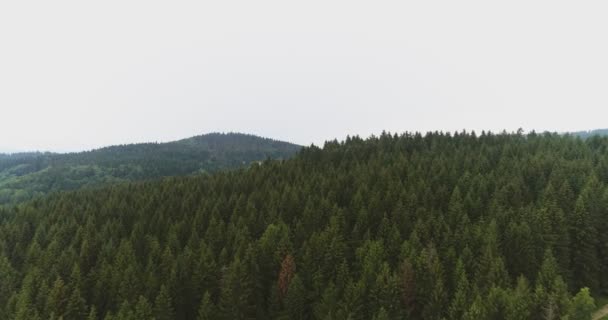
24,176
410,226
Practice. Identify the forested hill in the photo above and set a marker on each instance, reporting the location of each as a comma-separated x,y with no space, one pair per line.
591,133
25,175
392,227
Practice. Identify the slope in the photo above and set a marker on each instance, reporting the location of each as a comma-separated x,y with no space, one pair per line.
393,227
591,133
25,175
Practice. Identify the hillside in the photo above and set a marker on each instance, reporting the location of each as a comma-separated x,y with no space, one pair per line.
392,227
26,175
591,133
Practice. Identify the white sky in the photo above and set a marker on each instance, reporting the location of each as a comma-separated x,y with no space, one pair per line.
82,74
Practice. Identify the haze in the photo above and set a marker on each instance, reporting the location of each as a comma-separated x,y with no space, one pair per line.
80,74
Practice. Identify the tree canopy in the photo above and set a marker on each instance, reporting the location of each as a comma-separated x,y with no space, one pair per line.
440,226
26,175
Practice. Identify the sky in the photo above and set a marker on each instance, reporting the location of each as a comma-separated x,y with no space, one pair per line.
76,75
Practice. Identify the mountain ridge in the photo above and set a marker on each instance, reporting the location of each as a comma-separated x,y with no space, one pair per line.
29,174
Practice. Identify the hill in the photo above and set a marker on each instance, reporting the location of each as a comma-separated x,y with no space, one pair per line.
392,227
590,133
26,175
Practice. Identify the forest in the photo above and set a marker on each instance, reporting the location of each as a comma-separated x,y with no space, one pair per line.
396,226
24,176
590,133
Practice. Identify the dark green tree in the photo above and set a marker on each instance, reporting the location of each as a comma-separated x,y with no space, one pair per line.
583,306
163,306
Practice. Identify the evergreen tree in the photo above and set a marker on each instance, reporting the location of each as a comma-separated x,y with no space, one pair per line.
295,300
235,296
76,308
326,308
125,312
206,310
57,299
551,294
583,306
460,301
143,309
92,314
7,279
519,301
24,308
163,307
585,263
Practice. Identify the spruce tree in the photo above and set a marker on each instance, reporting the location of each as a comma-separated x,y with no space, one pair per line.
582,306
143,309
295,300
206,310
163,306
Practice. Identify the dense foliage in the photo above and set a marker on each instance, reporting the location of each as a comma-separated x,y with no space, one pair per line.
591,133
443,226
25,175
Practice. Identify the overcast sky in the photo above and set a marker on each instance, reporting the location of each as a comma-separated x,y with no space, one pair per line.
82,74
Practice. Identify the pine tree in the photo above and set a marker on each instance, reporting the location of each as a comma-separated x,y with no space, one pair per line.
519,301
92,314
295,300
583,306
235,296
352,302
24,309
124,312
7,280
433,287
326,307
585,263
551,293
206,309
163,307
143,309
476,310
76,308
57,299
460,301
491,270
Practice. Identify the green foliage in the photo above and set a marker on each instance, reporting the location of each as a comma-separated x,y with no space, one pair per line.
27,175
143,309
206,310
295,300
163,306
583,306
440,226
381,315
591,133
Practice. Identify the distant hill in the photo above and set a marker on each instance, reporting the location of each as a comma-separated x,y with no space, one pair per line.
26,175
587,134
